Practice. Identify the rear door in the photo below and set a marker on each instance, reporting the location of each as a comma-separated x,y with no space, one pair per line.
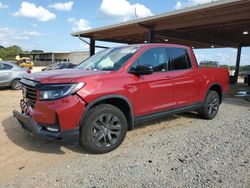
5,74
153,93
185,77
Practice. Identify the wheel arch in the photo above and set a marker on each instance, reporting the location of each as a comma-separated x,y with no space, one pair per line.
216,87
14,79
119,101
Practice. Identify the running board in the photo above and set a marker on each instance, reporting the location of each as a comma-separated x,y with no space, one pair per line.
171,112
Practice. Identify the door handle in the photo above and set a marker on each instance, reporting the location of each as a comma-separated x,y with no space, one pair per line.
167,78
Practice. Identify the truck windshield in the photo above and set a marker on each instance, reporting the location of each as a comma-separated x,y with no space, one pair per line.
108,60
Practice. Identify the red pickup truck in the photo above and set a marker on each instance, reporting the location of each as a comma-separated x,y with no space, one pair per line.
107,94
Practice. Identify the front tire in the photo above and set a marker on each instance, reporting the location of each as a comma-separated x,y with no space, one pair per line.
103,129
211,105
16,84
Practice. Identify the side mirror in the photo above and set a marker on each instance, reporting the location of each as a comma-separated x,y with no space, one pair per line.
142,70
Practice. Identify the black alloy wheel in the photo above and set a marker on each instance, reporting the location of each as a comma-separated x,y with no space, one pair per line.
106,130
211,105
16,84
103,128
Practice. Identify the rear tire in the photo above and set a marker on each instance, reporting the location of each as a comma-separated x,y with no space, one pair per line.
103,129
16,84
211,105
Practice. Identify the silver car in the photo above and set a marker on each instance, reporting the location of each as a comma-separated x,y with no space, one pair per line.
11,74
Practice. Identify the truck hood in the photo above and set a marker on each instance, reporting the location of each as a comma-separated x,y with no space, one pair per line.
62,75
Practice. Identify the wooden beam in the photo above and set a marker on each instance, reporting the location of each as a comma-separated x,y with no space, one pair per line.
219,26
206,17
206,39
114,40
117,33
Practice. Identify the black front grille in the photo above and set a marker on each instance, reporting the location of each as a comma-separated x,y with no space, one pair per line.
29,94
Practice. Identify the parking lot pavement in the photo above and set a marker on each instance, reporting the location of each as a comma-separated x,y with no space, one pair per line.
178,151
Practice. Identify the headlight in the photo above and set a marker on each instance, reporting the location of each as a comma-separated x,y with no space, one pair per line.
51,92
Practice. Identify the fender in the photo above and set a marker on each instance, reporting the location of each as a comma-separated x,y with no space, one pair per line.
102,98
211,85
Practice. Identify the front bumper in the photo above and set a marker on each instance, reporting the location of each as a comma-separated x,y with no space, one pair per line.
30,125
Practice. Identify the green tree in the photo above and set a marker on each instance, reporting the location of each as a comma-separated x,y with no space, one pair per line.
10,52
36,51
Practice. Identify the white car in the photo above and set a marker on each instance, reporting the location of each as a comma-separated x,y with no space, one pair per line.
11,74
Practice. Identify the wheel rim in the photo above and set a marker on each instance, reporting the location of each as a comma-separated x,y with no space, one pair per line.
106,130
17,84
213,105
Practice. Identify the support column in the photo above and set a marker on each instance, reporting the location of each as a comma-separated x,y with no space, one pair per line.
151,35
92,46
53,58
237,67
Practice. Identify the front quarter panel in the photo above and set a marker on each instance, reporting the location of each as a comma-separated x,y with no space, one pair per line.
115,83
18,74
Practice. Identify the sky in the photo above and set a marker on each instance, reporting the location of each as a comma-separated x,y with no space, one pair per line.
47,24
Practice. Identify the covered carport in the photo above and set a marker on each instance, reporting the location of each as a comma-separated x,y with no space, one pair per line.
218,24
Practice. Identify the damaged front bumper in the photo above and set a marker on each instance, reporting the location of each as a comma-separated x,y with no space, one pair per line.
30,125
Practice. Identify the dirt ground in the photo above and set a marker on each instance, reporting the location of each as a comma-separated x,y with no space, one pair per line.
23,156
20,154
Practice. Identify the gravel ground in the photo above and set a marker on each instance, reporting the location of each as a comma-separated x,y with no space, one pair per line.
180,151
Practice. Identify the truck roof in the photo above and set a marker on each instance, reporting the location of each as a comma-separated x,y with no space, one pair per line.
156,45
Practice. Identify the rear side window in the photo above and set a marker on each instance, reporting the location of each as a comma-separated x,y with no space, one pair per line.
178,58
5,66
155,57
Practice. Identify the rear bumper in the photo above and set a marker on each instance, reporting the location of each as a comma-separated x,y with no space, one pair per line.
30,125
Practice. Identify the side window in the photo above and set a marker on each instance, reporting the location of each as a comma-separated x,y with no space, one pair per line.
179,58
1,66
5,66
155,57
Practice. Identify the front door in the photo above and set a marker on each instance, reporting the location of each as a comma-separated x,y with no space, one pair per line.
154,92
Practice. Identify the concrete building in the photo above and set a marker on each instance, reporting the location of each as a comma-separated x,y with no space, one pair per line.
78,56
48,58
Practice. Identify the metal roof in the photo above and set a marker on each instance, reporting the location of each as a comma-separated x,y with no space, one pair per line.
218,24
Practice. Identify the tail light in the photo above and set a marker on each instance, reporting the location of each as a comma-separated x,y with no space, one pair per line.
28,71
